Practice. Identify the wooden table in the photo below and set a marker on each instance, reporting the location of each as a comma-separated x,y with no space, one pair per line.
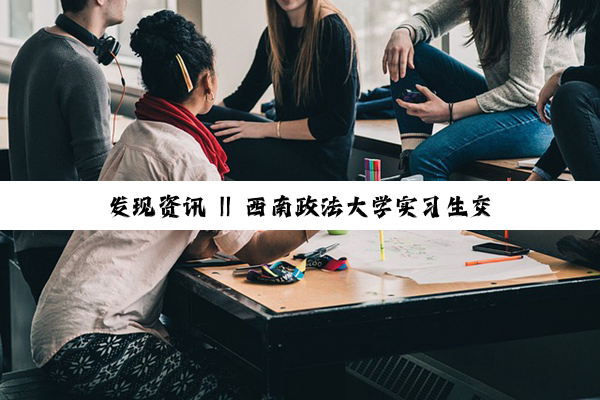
494,170
378,136
329,318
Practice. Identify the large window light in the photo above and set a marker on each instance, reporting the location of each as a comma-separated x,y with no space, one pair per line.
19,19
373,22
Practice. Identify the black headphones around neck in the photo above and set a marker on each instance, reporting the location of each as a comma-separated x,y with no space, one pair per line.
104,47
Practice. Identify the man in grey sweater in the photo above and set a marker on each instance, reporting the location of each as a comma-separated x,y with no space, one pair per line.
59,120
59,112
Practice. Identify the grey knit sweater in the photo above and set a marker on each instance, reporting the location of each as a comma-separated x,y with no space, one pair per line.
516,80
59,113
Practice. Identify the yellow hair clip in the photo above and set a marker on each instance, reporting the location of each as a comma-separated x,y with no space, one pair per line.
186,74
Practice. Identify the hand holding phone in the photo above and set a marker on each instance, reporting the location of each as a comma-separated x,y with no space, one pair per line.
413,96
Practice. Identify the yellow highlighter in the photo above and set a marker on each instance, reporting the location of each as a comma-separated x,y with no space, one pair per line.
381,247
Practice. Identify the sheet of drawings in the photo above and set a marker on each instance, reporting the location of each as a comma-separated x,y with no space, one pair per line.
424,256
420,249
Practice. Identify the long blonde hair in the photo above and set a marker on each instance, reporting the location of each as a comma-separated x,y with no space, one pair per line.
306,71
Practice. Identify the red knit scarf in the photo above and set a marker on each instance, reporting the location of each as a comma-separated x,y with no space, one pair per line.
151,108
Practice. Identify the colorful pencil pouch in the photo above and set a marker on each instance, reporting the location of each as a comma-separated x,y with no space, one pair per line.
280,272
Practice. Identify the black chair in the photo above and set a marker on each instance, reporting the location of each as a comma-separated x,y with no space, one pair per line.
30,384
4,165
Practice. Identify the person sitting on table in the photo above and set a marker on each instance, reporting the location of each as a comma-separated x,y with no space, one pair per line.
167,141
308,54
96,330
575,94
491,117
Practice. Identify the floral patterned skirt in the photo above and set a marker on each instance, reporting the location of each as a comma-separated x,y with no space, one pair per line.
140,366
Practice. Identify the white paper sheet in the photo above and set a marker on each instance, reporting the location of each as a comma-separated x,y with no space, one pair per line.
424,256
478,273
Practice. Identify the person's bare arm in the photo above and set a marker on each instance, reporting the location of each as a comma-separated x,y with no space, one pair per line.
271,245
202,247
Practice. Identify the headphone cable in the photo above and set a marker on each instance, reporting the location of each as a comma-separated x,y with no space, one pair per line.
122,98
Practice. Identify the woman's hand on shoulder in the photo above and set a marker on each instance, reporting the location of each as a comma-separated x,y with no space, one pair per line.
243,130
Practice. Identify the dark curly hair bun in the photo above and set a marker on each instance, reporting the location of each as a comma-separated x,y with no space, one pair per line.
157,40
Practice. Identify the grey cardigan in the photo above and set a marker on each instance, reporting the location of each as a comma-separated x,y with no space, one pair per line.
533,56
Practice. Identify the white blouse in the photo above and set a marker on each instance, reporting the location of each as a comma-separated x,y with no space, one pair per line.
156,151
114,281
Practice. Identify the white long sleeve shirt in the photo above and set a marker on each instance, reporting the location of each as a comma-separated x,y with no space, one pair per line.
114,281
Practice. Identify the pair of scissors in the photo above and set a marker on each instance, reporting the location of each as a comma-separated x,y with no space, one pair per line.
316,253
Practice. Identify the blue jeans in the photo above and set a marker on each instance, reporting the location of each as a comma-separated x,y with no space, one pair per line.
516,133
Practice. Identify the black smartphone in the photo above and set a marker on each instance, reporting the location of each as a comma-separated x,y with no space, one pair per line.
413,96
500,249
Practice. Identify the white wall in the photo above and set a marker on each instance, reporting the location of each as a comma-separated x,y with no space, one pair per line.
234,28
467,55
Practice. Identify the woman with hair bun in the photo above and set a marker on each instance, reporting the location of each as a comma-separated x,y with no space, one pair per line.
97,330
179,74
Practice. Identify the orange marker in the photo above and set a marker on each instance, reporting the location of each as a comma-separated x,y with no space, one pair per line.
492,260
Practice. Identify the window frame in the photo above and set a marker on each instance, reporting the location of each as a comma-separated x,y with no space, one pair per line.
41,9
44,8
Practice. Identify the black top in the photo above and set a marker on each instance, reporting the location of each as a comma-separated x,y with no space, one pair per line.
331,115
552,161
590,72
